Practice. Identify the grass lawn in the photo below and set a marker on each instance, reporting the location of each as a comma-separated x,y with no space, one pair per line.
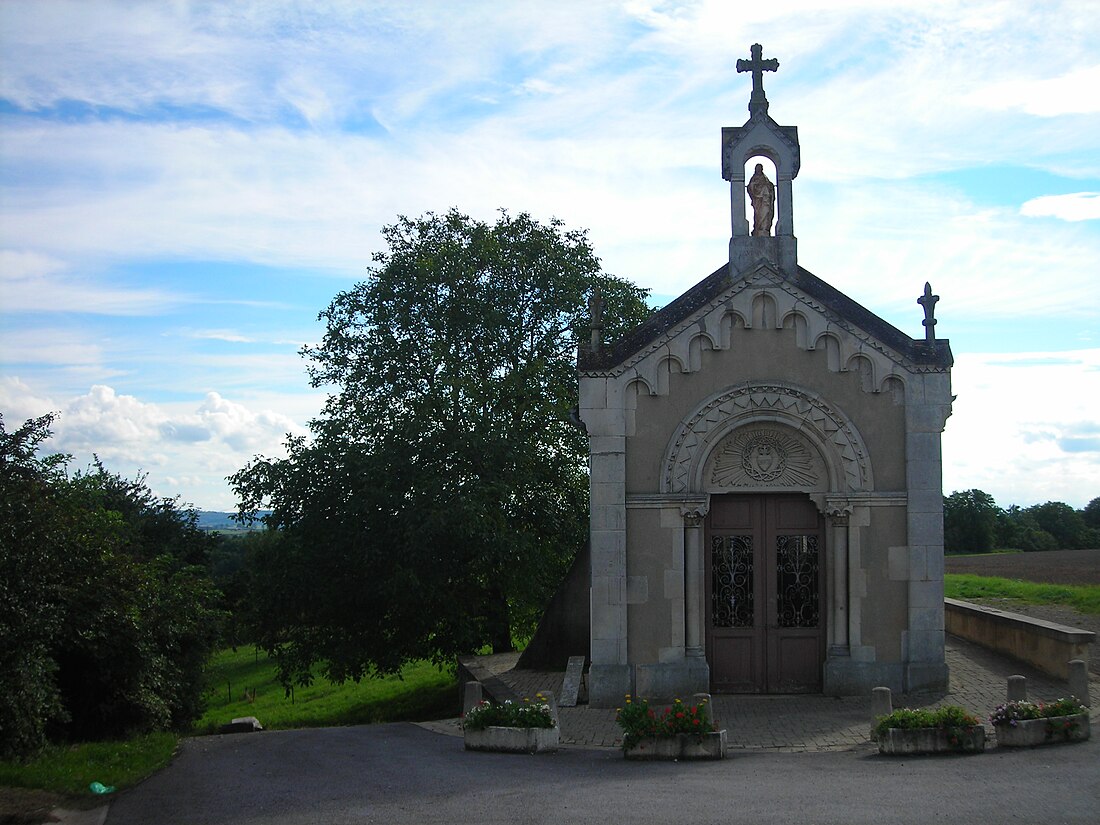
243,683
1085,598
68,770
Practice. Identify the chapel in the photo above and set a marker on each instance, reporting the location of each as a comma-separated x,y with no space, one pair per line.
766,497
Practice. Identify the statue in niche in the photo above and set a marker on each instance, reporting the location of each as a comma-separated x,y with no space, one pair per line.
762,194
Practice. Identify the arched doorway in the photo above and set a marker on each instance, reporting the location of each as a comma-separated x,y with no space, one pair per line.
765,593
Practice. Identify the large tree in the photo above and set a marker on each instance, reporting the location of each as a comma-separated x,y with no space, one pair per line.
969,522
1063,522
444,490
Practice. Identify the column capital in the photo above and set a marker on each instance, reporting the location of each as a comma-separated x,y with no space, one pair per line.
694,512
838,511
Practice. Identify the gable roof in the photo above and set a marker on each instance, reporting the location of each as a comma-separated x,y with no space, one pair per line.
936,354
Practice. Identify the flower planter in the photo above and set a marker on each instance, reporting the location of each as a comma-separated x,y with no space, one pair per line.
1027,733
910,741
512,740
681,746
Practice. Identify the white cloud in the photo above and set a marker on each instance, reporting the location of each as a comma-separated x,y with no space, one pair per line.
228,335
1078,206
288,134
18,266
187,449
19,402
626,145
1071,93
1023,427
54,346
880,241
664,228
35,281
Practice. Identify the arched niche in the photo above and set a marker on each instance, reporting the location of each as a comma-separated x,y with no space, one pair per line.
767,160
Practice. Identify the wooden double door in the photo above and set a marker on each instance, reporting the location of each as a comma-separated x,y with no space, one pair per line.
765,574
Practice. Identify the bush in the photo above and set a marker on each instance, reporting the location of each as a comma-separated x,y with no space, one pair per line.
105,624
1010,713
947,717
526,714
639,721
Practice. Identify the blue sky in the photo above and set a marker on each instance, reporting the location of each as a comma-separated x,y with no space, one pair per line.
186,185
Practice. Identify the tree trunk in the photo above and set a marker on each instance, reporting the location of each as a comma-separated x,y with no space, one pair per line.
500,630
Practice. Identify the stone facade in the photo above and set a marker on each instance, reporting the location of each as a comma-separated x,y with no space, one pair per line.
762,381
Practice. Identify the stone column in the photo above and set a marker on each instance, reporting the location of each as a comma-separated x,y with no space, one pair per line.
838,624
739,224
784,224
927,406
694,578
600,409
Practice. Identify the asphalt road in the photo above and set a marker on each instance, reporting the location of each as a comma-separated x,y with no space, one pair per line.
401,773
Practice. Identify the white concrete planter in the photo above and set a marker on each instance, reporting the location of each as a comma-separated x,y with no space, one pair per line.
682,746
911,741
1027,733
512,740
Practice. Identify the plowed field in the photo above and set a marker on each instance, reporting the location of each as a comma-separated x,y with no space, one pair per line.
1053,567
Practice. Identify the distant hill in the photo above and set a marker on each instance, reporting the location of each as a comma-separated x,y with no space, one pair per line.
214,520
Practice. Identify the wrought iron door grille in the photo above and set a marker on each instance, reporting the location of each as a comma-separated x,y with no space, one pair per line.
796,578
732,603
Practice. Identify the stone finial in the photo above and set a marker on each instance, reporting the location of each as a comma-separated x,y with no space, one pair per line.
928,301
758,103
595,318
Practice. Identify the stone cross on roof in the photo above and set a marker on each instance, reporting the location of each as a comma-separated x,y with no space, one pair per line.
758,103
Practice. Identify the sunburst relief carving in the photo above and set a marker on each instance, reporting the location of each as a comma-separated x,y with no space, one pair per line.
763,457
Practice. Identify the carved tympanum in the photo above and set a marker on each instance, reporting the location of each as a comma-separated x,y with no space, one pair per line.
817,422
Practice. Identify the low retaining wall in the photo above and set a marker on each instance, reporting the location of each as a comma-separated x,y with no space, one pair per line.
1046,645
495,688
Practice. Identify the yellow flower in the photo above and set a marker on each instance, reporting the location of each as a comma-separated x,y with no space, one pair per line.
628,701
679,702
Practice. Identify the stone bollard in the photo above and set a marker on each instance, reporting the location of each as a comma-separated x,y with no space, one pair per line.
471,697
881,704
1017,688
700,698
548,696
1079,681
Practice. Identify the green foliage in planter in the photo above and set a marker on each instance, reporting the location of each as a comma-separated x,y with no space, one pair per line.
525,714
1012,712
949,717
639,721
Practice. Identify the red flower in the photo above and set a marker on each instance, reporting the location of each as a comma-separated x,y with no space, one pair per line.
680,715
695,721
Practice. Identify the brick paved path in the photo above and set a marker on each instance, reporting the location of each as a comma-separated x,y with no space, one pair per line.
801,723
